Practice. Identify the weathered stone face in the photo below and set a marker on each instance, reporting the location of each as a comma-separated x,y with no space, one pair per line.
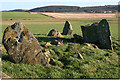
89,33
55,33
67,30
22,46
103,32
98,33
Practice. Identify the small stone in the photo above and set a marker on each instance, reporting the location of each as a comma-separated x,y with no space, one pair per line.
78,55
57,42
47,44
4,76
55,33
91,45
47,53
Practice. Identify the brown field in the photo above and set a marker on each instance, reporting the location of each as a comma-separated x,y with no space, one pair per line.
81,15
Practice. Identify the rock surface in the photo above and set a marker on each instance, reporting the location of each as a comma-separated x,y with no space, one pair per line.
55,33
90,33
93,46
4,76
47,44
22,46
103,32
67,30
98,33
2,48
78,55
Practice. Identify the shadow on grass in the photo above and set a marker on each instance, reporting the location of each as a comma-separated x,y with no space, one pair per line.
39,34
6,57
50,39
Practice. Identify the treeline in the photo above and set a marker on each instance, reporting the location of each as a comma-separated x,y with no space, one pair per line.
93,9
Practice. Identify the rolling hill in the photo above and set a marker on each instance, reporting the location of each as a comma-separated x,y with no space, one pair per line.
19,10
90,9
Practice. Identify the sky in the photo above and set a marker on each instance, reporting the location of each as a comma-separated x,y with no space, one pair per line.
30,4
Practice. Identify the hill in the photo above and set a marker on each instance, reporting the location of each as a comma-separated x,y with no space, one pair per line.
92,9
101,9
19,10
55,9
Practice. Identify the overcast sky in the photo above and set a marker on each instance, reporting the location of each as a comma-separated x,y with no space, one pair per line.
29,4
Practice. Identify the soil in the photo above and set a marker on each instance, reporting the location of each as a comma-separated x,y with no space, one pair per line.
81,15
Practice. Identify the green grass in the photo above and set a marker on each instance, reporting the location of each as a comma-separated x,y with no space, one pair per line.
0,34
21,15
97,63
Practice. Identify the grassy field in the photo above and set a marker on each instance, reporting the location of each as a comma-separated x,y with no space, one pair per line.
97,63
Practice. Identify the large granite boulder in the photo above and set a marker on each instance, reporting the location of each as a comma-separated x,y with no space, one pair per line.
67,30
55,33
22,46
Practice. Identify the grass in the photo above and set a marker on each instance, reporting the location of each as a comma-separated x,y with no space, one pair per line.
21,15
97,63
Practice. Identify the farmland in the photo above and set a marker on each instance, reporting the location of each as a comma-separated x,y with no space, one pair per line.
82,15
97,63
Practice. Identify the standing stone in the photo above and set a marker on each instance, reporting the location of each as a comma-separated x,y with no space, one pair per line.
104,35
55,33
90,33
22,46
98,33
67,30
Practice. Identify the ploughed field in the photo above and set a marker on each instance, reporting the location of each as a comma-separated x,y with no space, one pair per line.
97,63
82,15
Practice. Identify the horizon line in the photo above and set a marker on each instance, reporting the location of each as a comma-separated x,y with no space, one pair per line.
62,5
